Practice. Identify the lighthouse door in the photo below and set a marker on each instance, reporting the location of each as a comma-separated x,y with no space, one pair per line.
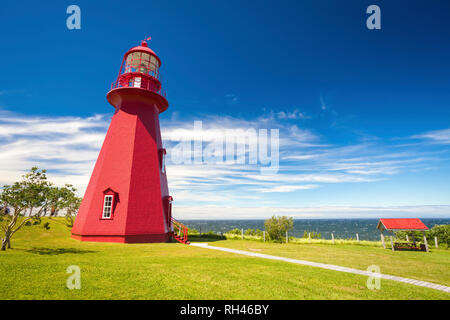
169,200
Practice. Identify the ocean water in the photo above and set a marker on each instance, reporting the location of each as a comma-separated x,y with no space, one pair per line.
342,228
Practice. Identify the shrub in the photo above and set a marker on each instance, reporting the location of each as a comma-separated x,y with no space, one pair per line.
193,231
235,231
442,232
206,236
276,227
314,235
253,232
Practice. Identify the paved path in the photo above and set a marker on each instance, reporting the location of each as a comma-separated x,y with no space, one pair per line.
329,267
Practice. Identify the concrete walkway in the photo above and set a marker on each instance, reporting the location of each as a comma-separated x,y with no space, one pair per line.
329,267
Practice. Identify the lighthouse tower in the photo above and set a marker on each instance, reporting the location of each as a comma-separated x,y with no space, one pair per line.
127,199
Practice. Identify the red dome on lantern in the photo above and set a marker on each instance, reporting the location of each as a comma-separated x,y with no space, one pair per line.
139,70
143,48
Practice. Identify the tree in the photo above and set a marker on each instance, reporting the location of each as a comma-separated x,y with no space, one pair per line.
276,227
70,202
39,191
61,198
30,199
13,196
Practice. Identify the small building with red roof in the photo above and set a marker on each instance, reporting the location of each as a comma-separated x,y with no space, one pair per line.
408,224
405,224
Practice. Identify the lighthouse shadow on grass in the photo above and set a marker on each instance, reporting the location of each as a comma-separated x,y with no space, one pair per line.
205,238
57,251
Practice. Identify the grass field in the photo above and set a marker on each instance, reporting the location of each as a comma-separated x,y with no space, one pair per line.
36,269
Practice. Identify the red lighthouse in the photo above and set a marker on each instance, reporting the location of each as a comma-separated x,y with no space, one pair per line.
127,199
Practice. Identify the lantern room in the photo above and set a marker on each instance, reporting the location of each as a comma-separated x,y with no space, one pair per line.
140,69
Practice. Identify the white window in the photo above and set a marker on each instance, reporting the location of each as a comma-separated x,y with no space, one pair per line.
163,162
137,82
107,207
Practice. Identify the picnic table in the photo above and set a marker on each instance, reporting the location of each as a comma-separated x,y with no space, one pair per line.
409,246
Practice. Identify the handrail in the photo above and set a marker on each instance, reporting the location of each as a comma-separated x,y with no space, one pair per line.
182,231
143,85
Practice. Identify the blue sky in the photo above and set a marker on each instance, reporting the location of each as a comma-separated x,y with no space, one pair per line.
363,115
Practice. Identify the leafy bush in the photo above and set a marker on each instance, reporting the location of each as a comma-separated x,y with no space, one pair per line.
206,236
235,231
193,231
442,232
253,232
277,227
314,235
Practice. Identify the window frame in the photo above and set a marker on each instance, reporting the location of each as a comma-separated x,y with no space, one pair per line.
163,153
110,206
168,200
115,199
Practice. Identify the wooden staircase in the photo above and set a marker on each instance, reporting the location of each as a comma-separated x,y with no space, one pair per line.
180,232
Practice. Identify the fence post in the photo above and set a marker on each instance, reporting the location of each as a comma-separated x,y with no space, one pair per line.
287,237
309,237
392,244
426,242
407,238
264,235
242,232
332,237
382,241
435,242
357,237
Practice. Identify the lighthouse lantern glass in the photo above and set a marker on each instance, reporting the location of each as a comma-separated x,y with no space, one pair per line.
142,62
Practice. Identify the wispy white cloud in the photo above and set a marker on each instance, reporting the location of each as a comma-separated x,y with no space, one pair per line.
436,136
287,188
69,146
291,115
66,146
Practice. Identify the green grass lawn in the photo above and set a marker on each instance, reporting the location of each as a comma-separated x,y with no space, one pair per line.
36,269
433,266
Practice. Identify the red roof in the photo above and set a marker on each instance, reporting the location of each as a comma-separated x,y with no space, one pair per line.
403,224
143,48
